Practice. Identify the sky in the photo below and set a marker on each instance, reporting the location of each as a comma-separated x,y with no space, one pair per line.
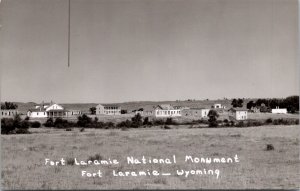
148,50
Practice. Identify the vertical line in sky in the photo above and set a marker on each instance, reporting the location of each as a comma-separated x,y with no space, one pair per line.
69,25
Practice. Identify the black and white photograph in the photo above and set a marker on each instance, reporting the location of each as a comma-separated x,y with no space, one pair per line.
149,94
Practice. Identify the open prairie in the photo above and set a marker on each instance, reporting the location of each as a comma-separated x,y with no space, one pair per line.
23,157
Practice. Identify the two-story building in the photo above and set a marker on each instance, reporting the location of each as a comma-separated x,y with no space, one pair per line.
8,112
195,112
166,110
108,109
44,111
238,113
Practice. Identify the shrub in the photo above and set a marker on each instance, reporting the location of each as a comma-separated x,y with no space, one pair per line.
68,129
82,129
158,122
270,147
254,123
166,127
213,115
136,121
169,121
268,121
225,121
126,124
70,161
24,125
240,124
26,118
201,121
146,121
61,123
49,123
15,125
84,121
7,125
109,125
35,124
95,157
22,131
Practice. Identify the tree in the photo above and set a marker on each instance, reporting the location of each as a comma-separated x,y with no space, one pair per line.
146,121
234,103
237,102
49,123
93,110
9,105
213,115
240,102
84,121
250,104
123,111
137,121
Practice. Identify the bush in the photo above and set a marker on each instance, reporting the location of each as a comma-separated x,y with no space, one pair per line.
22,131
166,127
240,124
126,124
15,125
169,121
35,124
146,121
68,129
70,161
213,124
268,121
95,157
254,123
7,126
109,125
84,121
158,122
270,147
136,121
61,123
49,123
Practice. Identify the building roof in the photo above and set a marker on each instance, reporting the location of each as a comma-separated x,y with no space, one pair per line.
38,109
109,105
199,108
238,109
148,108
164,107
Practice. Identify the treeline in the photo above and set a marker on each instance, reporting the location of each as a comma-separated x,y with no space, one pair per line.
9,105
291,103
85,121
17,126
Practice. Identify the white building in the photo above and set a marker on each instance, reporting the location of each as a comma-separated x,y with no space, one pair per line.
8,112
108,109
44,111
278,110
195,112
218,106
166,110
238,113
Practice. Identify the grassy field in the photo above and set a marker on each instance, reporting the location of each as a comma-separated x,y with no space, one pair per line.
23,157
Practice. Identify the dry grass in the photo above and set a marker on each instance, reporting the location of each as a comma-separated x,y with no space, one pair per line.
23,157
